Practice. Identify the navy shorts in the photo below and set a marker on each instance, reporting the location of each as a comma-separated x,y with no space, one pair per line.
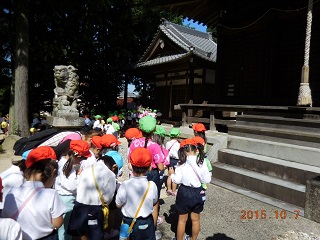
142,229
190,199
173,162
86,220
154,176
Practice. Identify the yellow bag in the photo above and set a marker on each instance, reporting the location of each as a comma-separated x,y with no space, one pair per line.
105,210
4,124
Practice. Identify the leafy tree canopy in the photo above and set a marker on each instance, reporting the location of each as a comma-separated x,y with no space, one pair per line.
102,38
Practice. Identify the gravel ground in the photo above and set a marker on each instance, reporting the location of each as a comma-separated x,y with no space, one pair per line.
221,218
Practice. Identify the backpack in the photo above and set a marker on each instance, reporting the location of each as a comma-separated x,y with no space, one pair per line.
24,144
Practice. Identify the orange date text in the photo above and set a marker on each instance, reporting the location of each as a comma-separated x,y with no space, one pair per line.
263,214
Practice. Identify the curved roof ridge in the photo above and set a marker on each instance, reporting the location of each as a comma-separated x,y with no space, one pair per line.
187,29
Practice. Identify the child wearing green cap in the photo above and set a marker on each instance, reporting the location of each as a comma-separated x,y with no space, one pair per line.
173,147
147,126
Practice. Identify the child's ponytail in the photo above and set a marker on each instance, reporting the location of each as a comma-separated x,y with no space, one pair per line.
201,155
67,167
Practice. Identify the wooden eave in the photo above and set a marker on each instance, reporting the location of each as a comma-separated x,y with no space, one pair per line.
174,66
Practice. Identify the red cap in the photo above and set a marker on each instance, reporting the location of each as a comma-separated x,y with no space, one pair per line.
133,133
40,153
114,118
109,140
80,147
199,127
200,140
141,157
96,140
188,141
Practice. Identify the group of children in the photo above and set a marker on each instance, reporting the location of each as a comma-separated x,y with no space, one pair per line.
62,188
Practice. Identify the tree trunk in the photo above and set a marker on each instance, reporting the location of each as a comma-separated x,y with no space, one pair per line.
19,123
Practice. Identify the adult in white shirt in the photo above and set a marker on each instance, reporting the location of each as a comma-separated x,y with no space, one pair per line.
34,205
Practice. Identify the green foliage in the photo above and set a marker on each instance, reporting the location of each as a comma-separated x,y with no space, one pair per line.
102,38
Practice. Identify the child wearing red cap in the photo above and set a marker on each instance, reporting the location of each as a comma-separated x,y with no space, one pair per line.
131,192
132,134
66,182
200,130
109,145
87,219
34,205
190,174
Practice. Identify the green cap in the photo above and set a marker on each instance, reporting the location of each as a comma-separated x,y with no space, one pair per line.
109,120
147,124
160,131
174,132
97,116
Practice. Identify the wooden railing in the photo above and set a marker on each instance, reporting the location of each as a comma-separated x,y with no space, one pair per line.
216,112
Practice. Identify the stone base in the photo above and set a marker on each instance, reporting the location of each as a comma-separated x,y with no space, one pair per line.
312,210
66,122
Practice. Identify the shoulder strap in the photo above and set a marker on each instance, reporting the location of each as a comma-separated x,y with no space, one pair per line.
140,205
196,173
172,145
97,187
16,214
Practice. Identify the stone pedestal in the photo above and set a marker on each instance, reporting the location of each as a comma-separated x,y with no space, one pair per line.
312,209
66,122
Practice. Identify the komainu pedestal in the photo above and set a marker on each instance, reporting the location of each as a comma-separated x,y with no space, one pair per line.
65,113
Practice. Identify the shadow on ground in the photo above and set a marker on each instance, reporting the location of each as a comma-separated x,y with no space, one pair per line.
219,236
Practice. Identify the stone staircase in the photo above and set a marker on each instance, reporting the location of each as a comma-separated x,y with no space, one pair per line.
270,158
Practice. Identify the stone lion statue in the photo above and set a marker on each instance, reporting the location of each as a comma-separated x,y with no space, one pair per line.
66,91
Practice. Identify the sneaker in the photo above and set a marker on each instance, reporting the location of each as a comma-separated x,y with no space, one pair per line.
158,235
187,237
169,192
160,220
113,233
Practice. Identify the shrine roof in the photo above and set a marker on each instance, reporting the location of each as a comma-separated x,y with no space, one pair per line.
187,41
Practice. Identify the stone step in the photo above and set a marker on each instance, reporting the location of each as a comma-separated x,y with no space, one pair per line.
291,136
260,197
290,171
277,188
290,152
280,122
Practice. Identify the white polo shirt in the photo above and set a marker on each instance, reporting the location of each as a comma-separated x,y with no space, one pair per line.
173,147
10,229
108,129
130,194
63,185
184,174
87,192
89,161
35,218
12,177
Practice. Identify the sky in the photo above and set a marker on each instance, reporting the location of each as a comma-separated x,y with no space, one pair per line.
196,25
